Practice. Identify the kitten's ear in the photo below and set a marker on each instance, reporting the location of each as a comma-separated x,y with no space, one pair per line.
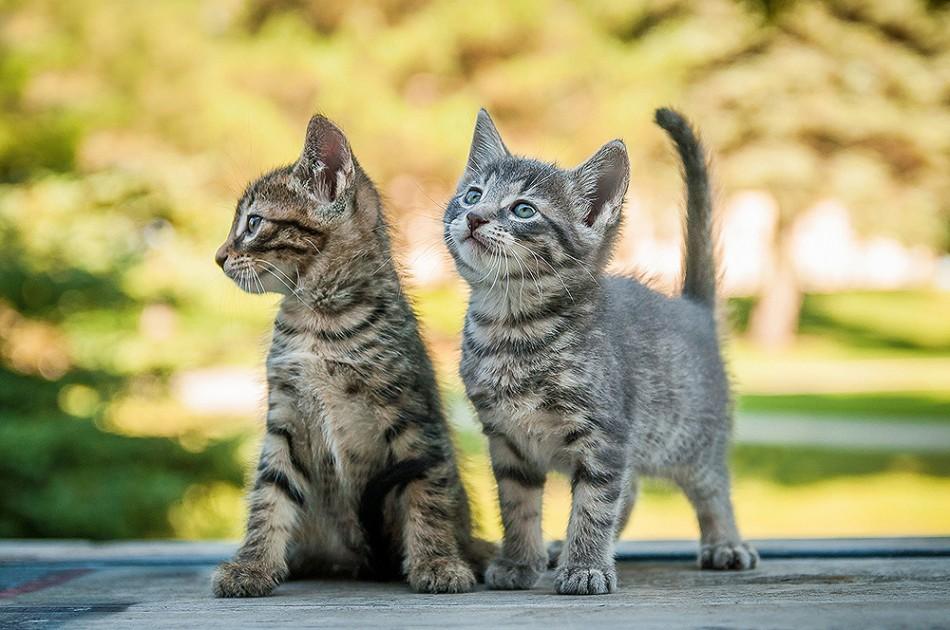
602,181
325,167
487,145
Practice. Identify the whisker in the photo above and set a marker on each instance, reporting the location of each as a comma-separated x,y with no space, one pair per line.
271,268
312,244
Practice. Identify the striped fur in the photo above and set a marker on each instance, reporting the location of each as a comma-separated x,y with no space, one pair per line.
574,370
357,474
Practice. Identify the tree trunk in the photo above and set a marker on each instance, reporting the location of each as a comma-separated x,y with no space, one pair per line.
774,321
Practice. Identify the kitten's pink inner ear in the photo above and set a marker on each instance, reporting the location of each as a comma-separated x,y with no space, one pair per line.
327,158
604,192
604,179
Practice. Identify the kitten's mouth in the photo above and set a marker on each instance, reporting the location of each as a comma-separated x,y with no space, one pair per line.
477,242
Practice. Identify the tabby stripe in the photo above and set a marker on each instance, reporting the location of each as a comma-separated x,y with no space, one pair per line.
514,346
398,427
294,460
482,401
282,386
297,249
280,480
577,434
585,474
509,443
520,476
561,236
567,401
557,305
284,328
300,227
347,333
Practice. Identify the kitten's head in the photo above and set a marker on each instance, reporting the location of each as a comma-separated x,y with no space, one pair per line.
514,215
298,220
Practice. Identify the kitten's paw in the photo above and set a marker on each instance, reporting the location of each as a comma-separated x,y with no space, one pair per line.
443,575
244,579
728,557
585,581
506,575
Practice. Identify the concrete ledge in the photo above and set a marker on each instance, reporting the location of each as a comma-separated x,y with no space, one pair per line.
201,552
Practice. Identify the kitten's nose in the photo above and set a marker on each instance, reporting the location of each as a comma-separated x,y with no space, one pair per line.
474,221
221,255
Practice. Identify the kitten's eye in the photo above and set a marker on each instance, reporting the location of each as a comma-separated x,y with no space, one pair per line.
253,222
472,196
523,210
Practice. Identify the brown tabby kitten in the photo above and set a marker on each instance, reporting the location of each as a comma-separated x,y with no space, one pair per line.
357,473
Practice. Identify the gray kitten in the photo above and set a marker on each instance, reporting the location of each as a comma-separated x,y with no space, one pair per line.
590,374
357,473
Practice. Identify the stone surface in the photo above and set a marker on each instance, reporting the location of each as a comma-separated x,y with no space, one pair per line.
874,583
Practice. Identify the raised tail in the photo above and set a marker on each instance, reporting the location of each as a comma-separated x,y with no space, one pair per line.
699,281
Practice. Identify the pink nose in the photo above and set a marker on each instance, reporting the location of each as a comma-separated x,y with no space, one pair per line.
474,221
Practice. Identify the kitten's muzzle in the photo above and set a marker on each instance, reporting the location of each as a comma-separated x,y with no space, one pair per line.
474,222
221,256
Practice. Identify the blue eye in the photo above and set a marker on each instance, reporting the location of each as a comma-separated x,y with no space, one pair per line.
523,210
472,196
253,222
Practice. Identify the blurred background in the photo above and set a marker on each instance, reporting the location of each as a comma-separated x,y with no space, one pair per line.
130,367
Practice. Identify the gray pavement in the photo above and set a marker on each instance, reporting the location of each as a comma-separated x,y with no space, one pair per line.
829,583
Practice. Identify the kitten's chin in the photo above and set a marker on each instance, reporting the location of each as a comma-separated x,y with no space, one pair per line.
470,254
249,282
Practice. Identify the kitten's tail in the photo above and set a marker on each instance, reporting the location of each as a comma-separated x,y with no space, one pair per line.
699,281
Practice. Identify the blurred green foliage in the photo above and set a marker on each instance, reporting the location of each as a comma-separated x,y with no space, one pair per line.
881,321
910,406
128,129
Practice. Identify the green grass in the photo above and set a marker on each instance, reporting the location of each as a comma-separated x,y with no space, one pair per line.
805,465
929,405
861,322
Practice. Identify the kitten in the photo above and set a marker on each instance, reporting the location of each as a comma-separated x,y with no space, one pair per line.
357,473
587,373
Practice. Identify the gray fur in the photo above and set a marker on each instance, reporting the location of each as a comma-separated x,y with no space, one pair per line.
357,473
594,375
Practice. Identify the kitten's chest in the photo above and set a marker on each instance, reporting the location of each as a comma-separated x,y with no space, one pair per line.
330,397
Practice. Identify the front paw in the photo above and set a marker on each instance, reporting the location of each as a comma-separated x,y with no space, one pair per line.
443,575
244,579
507,575
728,557
574,580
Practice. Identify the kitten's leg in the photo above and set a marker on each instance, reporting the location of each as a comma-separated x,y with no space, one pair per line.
626,506
520,489
587,564
434,562
629,500
276,503
721,547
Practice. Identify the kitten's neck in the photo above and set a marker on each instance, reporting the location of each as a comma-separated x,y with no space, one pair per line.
369,279
514,299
